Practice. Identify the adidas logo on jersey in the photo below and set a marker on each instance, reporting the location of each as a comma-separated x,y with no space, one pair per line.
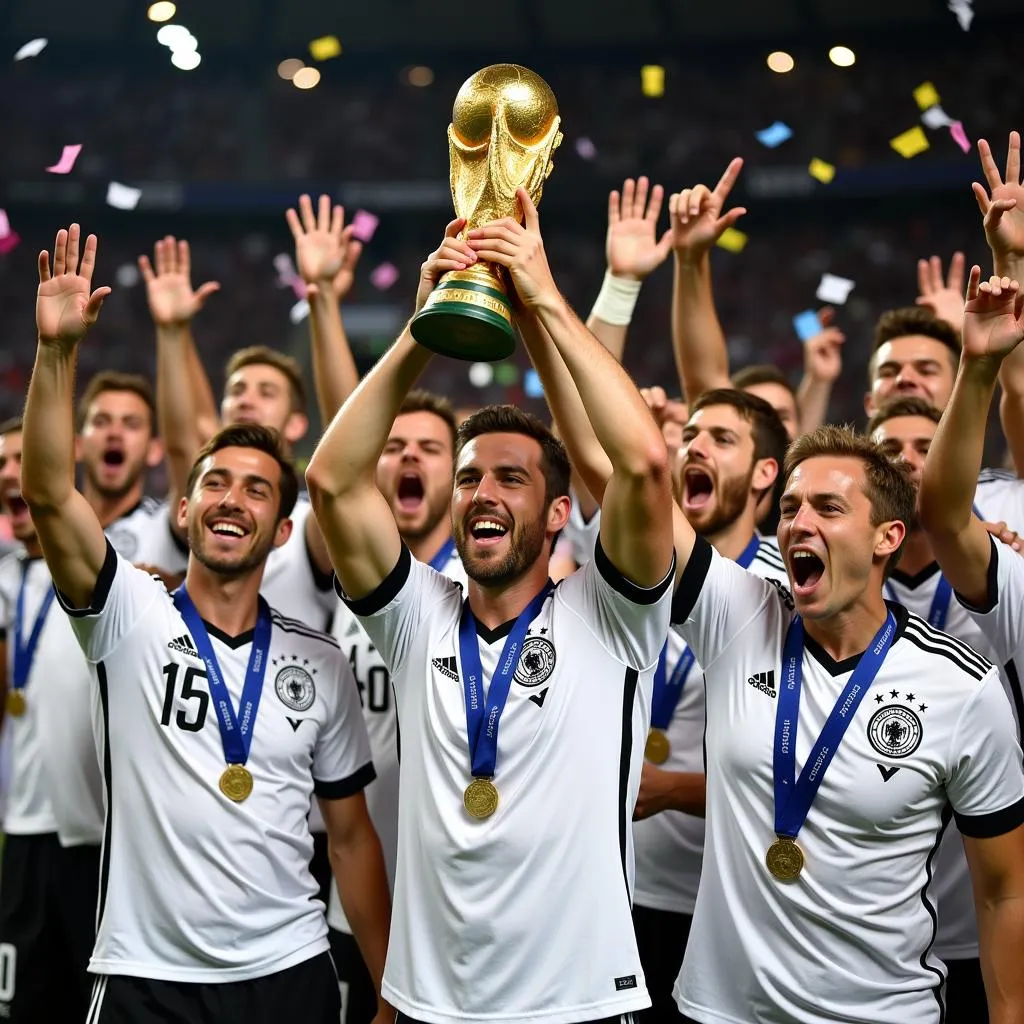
183,644
447,667
764,681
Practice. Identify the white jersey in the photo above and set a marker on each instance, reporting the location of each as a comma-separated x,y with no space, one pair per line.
582,533
376,693
933,734
523,916
194,887
1000,498
143,535
670,845
952,892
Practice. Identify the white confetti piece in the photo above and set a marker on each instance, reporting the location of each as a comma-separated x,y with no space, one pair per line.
32,48
936,117
123,197
834,289
299,311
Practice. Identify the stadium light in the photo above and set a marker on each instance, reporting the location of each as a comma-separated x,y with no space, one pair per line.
780,62
842,56
162,10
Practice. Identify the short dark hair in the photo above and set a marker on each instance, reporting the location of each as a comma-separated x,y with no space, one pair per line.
909,406
766,428
888,485
419,400
750,376
509,419
909,320
262,355
113,380
263,439
11,426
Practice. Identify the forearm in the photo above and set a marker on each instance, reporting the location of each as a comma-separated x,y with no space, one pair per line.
335,374
613,310
1011,375
812,398
48,432
698,342
1001,939
178,402
207,415
686,792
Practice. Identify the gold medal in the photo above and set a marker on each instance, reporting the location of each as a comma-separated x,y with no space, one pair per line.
16,703
481,798
236,782
657,749
785,860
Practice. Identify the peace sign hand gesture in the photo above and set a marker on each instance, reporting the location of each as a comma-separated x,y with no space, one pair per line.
66,306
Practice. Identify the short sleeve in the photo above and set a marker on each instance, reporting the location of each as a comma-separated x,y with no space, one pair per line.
582,533
1000,498
341,758
630,621
716,598
1000,618
986,779
393,614
122,596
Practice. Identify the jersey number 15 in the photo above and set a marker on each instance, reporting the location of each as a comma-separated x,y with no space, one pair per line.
194,702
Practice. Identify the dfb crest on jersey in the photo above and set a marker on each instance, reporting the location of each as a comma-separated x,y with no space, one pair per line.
124,542
895,731
536,662
294,687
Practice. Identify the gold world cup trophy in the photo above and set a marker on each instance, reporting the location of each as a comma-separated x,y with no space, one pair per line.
504,129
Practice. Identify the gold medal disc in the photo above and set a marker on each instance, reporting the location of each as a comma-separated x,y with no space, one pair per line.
657,749
481,798
785,860
16,703
236,782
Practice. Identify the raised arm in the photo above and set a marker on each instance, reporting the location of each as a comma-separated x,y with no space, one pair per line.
823,363
354,517
697,222
993,328
66,307
636,530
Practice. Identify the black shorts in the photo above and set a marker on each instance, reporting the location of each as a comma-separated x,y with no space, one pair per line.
661,937
358,996
307,992
47,929
320,866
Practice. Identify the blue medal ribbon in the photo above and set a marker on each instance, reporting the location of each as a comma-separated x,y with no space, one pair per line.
794,796
443,557
668,690
483,717
235,730
940,601
25,652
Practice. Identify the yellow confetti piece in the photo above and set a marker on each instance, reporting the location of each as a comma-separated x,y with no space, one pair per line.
910,143
732,240
821,170
325,47
926,95
652,79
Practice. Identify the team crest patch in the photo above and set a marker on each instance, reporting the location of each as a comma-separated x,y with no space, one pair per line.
537,661
124,542
295,688
895,731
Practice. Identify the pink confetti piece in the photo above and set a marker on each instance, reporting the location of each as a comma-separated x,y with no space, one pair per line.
66,161
364,224
8,242
298,287
5,224
384,276
956,129
586,149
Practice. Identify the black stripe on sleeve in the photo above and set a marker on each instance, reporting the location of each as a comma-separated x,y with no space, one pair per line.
385,593
691,582
341,788
992,582
104,581
626,587
988,826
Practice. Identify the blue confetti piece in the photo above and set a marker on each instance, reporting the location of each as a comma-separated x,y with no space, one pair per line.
532,385
774,135
806,324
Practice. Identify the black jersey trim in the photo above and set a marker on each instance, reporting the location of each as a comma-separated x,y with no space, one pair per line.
385,593
988,826
690,583
987,476
991,584
341,788
625,759
838,668
912,582
626,587
101,678
234,642
104,581
3,634
938,990
934,642
1017,695
288,625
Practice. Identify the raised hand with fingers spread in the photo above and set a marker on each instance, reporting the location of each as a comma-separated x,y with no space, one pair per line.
172,301
66,304
1003,206
944,298
697,221
326,254
632,247
993,317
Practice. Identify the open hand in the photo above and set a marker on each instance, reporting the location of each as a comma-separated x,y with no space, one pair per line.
66,306
823,352
696,217
452,254
1003,210
169,289
326,254
943,298
993,317
632,247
